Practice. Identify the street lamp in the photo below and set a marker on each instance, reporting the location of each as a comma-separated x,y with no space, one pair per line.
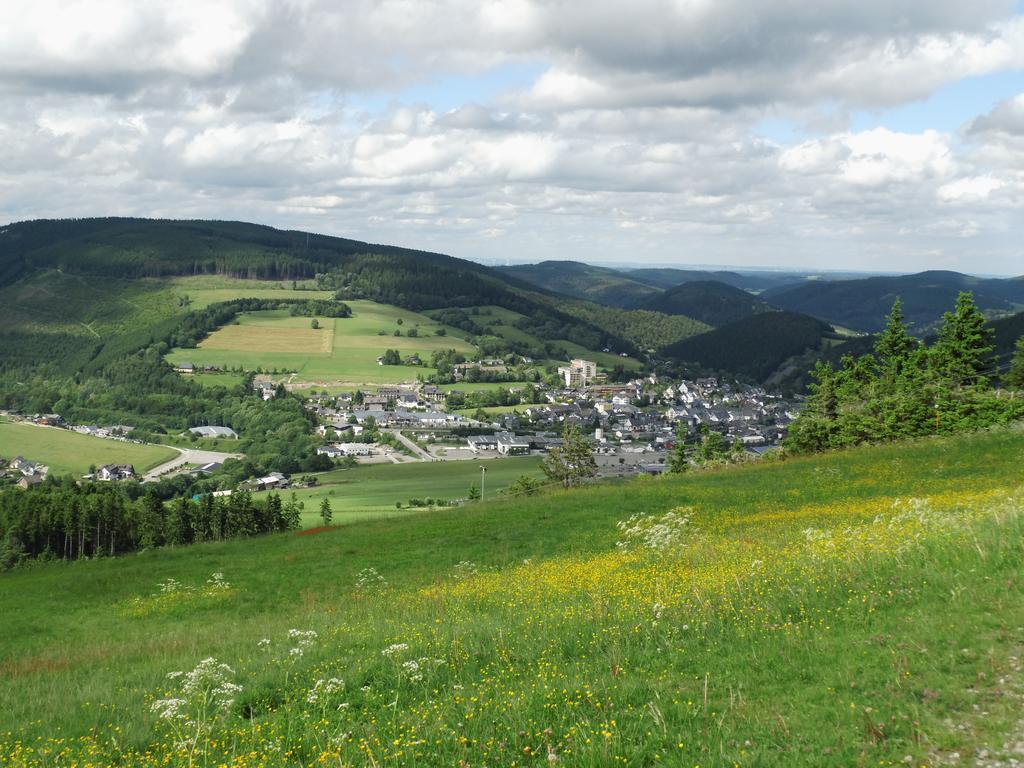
483,474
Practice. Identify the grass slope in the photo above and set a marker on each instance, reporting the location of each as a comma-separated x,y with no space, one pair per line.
342,351
802,616
372,490
69,452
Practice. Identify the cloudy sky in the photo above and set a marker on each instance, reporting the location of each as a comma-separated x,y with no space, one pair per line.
867,134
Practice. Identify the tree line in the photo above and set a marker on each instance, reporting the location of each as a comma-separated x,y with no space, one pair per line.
908,388
63,520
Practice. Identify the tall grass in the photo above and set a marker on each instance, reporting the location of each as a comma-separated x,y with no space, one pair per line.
853,609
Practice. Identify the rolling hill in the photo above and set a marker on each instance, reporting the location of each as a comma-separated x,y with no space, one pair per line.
754,347
863,304
753,282
709,301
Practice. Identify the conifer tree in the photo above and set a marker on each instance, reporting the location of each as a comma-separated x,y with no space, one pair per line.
962,352
894,344
326,513
679,461
573,461
1015,378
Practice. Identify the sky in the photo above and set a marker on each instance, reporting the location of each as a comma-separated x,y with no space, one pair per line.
874,135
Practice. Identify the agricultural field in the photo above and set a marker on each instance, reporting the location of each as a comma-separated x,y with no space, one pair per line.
373,490
66,452
203,290
218,379
858,608
342,352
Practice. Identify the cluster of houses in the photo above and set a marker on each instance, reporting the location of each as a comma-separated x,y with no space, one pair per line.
27,473
645,411
631,425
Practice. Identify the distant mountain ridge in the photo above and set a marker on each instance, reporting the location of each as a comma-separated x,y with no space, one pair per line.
862,304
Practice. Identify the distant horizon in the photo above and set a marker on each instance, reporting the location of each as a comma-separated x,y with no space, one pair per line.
508,262
874,137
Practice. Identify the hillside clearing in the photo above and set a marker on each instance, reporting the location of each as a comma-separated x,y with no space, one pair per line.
343,351
774,614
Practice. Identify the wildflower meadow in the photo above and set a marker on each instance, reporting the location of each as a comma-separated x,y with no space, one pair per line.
857,608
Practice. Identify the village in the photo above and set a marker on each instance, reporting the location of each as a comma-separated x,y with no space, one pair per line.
631,426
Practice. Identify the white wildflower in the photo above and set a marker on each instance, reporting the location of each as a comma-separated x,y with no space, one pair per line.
395,649
656,532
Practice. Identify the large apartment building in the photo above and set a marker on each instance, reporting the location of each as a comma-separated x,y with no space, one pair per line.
578,373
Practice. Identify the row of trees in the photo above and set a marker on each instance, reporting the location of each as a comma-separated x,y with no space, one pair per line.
908,388
69,521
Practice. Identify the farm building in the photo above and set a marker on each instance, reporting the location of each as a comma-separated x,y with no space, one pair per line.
209,431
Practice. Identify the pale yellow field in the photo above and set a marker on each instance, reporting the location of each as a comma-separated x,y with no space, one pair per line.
268,338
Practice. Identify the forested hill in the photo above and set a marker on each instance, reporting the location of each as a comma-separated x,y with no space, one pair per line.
863,304
124,247
585,281
754,347
709,301
51,253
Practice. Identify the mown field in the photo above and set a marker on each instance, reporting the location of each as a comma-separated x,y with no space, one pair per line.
371,491
862,608
64,451
341,351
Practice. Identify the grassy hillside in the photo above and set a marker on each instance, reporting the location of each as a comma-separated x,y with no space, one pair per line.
341,352
790,614
754,347
863,304
69,452
374,490
87,292
708,301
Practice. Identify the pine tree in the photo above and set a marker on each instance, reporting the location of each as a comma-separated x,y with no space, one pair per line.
573,461
292,513
961,355
325,511
894,344
679,461
1015,378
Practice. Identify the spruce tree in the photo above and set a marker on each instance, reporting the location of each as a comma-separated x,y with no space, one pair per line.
679,461
894,344
1015,378
962,353
571,462
325,511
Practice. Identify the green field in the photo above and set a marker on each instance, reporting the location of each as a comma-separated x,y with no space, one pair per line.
204,290
69,452
861,608
343,351
372,490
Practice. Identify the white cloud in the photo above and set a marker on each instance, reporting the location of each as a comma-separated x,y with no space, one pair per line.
638,134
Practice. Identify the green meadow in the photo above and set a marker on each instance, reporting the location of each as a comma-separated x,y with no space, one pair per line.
858,608
373,490
343,351
64,451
